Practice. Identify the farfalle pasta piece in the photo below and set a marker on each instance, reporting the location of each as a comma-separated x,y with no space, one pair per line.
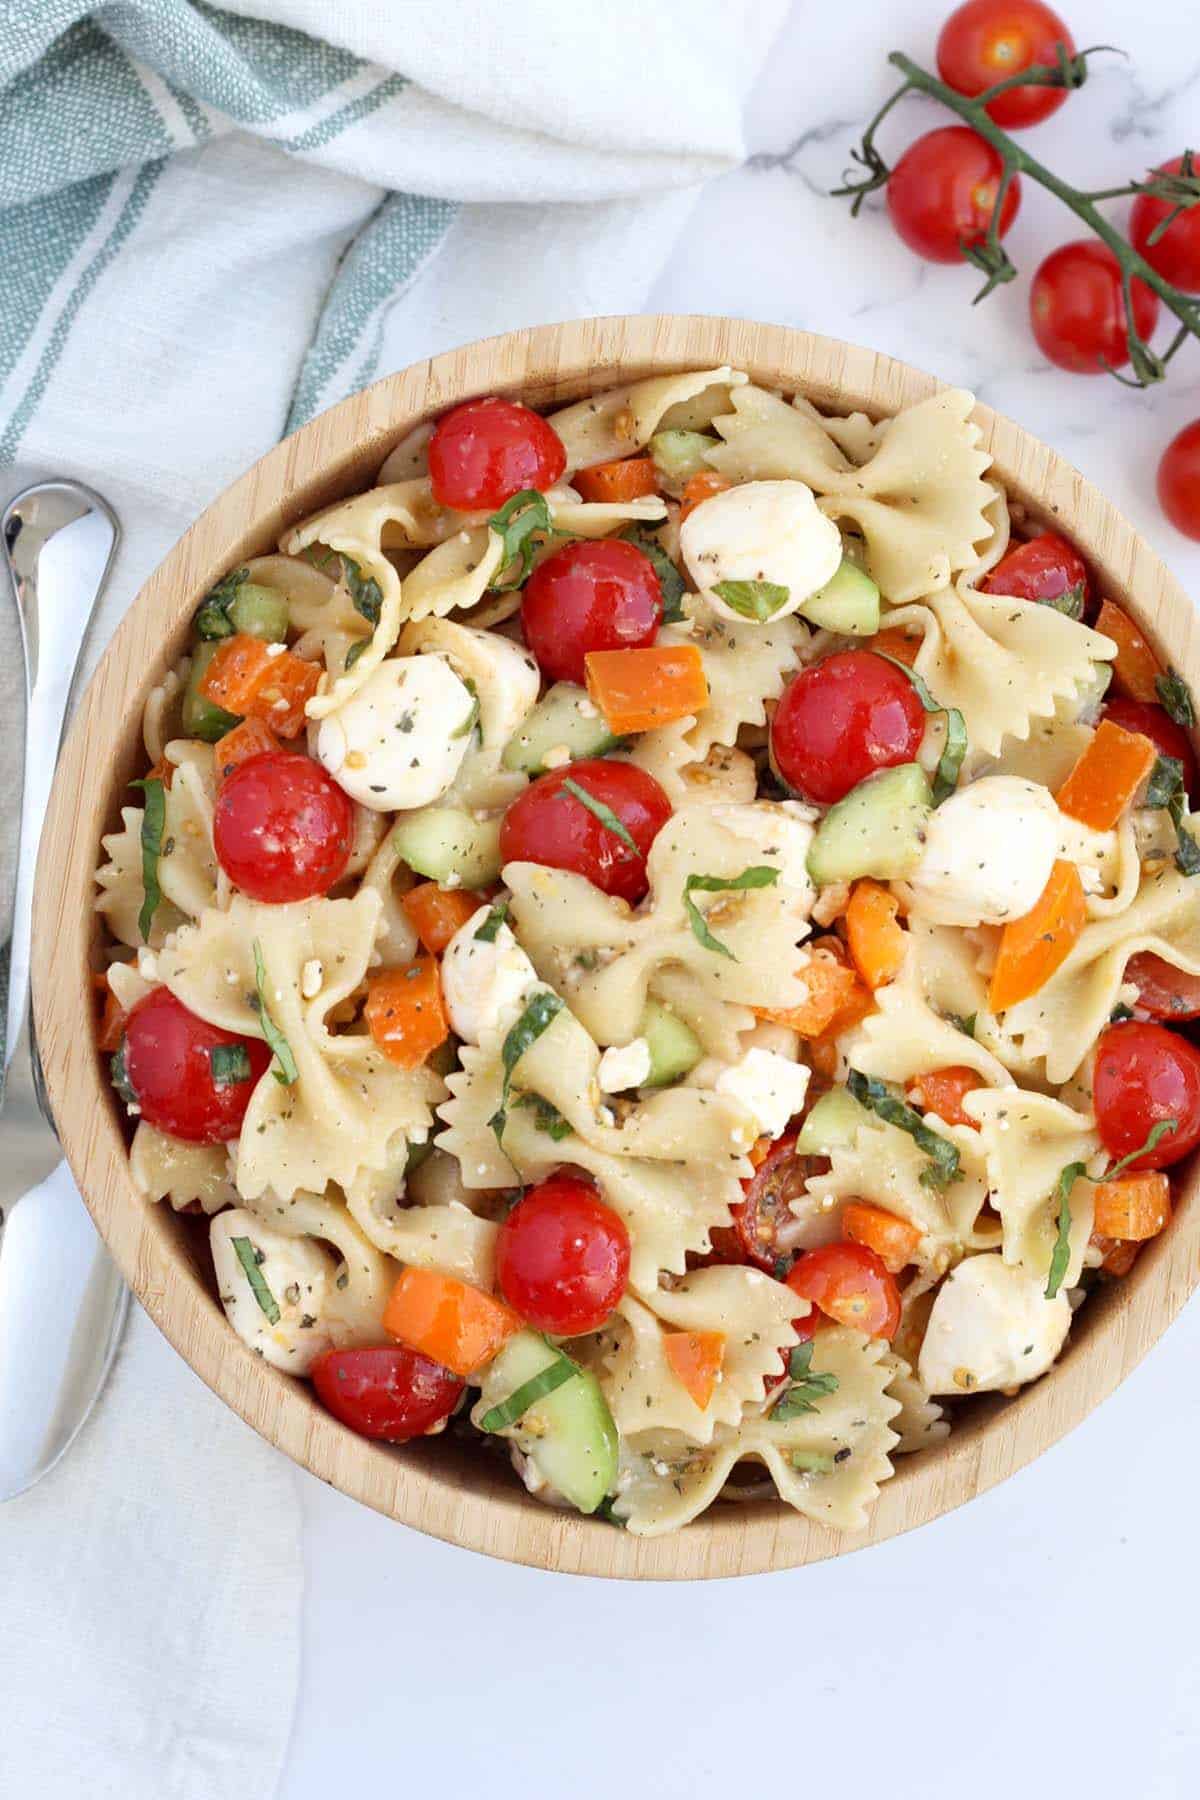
921,1421
620,420
388,875
505,681
353,1308
904,1037
451,1239
1028,1140
355,529
188,875
320,607
745,665
162,713
189,1176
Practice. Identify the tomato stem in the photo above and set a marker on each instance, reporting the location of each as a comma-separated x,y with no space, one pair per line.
1181,190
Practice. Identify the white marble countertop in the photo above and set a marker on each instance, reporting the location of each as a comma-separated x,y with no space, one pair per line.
1032,1640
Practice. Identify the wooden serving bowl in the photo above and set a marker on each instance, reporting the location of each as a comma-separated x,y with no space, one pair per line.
440,1486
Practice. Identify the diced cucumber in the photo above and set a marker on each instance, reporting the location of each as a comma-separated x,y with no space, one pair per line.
878,829
674,1046
680,454
198,716
831,1124
260,612
563,719
849,603
450,846
568,1434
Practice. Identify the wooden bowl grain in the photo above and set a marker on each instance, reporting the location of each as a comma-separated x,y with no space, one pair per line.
440,1487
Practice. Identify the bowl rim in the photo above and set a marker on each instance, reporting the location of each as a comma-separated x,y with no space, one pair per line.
338,453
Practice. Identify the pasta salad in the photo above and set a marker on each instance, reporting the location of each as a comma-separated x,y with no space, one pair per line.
661,937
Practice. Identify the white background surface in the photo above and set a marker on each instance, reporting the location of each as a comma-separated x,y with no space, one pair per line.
1042,1639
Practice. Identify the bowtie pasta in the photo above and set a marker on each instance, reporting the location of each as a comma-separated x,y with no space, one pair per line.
661,937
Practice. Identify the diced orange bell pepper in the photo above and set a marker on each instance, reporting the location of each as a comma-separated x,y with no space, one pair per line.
699,488
458,1326
249,678
1032,948
874,935
1132,1208
833,990
897,644
1117,1257
404,1011
943,1091
892,1238
696,1358
1136,667
111,1027
437,913
613,482
162,771
639,690
1107,776
250,738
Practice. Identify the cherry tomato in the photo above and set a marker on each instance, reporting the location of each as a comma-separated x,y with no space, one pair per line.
839,721
1179,480
169,1066
485,451
282,828
761,1218
1042,569
562,1257
1143,1074
1157,724
391,1393
850,1284
549,824
1163,990
601,594
986,41
1176,255
1077,309
941,193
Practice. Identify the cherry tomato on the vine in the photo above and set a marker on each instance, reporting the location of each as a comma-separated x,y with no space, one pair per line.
941,193
391,1393
1044,568
597,594
1156,723
562,1257
180,1086
1144,1075
1164,991
485,451
550,824
282,827
1176,254
987,41
851,1285
1077,308
1179,480
842,719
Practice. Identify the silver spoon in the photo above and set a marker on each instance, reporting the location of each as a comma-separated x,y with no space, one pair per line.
62,1302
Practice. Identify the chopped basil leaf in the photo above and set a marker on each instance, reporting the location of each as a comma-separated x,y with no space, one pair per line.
760,876
945,779
365,591
966,1026
120,1077
1166,789
605,814
528,1029
1119,1014
943,1157
670,581
284,1066
546,1117
490,928
508,1412
229,1064
1176,697
247,1255
472,719
1061,1255
354,652
806,1386
154,817
759,600
1155,1136
1069,602
515,523
212,616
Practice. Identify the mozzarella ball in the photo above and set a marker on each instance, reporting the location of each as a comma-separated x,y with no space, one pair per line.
991,1327
988,853
485,982
399,740
761,531
293,1274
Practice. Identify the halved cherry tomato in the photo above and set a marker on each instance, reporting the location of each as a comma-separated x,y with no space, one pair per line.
282,827
1164,991
549,824
1157,724
600,594
1179,480
762,1219
941,193
390,1393
1043,568
1176,254
1145,1074
942,1091
1077,308
562,1257
485,451
987,41
850,1284
169,1065
843,719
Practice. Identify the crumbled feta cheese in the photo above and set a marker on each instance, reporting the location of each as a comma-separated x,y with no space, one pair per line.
624,1066
988,853
485,984
991,1327
398,741
761,531
147,964
770,1087
311,977
557,757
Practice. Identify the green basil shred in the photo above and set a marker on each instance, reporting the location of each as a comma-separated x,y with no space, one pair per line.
807,1386
760,876
248,1256
605,814
154,818
508,1412
943,1166
517,521
284,1066
540,1011
212,618
1061,1254
1176,697
670,581
1166,790
945,779
1154,1137
1070,602
120,1077
759,600
472,719
490,928
547,1117
229,1064
365,591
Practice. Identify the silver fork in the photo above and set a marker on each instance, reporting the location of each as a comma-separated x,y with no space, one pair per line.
62,1302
